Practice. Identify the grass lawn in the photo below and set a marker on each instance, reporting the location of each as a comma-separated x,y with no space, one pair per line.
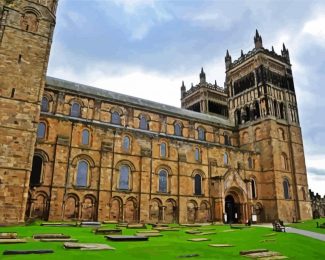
310,225
171,245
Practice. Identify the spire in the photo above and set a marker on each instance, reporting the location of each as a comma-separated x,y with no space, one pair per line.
202,76
183,89
228,60
241,53
258,40
285,53
273,49
215,83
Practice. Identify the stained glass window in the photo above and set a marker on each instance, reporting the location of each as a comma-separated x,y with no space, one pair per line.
82,174
41,130
75,110
163,181
124,177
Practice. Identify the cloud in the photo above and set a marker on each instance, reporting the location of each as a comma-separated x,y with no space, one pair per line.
316,171
132,6
316,28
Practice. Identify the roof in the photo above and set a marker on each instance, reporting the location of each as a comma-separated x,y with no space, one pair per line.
135,101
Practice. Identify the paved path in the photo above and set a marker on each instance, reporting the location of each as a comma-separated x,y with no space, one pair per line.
298,231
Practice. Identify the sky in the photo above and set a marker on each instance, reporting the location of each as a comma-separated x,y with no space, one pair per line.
146,48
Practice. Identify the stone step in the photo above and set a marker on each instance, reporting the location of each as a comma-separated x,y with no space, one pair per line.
27,252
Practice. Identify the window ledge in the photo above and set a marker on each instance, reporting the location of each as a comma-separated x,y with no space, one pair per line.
80,187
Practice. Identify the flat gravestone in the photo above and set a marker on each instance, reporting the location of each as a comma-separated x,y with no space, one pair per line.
199,239
110,222
27,252
90,224
191,225
264,255
58,224
221,245
12,241
87,246
166,229
148,234
8,235
103,231
252,251
127,238
136,226
228,230
149,231
193,232
122,225
58,240
51,235
207,233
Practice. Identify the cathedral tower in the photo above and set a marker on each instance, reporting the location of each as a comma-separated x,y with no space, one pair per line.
26,30
262,104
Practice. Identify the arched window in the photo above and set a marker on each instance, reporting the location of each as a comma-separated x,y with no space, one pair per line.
85,137
197,184
253,188
225,159
126,143
124,182
45,104
163,175
41,130
143,123
178,129
116,118
227,140
163,152
82,174
284,162
37,168
286,189
197,154
75,110
201,134
250,163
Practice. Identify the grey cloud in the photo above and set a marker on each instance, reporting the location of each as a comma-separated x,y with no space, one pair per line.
316,171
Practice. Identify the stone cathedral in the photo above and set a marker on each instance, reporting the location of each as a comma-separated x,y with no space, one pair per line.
74,152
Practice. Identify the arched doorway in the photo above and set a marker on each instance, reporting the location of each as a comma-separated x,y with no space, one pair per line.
231,209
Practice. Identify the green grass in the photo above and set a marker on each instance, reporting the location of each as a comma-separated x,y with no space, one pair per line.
169,246
310,225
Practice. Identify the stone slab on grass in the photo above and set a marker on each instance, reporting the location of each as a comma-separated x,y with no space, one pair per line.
229,230
159,225
166,229
110,222
149,231
191,225
8,235
58,224
252,251
273,257
127,238
90,224
12,241
221,245
106,231
193,231
122,225
27,252
51,235
137,226
264,254
58,240
207,233
199,239
148,234
87,246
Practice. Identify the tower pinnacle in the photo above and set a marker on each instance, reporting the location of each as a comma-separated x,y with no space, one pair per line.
258,40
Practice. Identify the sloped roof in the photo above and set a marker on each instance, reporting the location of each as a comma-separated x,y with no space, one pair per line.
140,103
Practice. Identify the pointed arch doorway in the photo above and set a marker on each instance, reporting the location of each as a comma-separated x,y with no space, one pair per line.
231,209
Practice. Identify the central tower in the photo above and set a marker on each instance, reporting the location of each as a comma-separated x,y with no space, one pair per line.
26,30
262,104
